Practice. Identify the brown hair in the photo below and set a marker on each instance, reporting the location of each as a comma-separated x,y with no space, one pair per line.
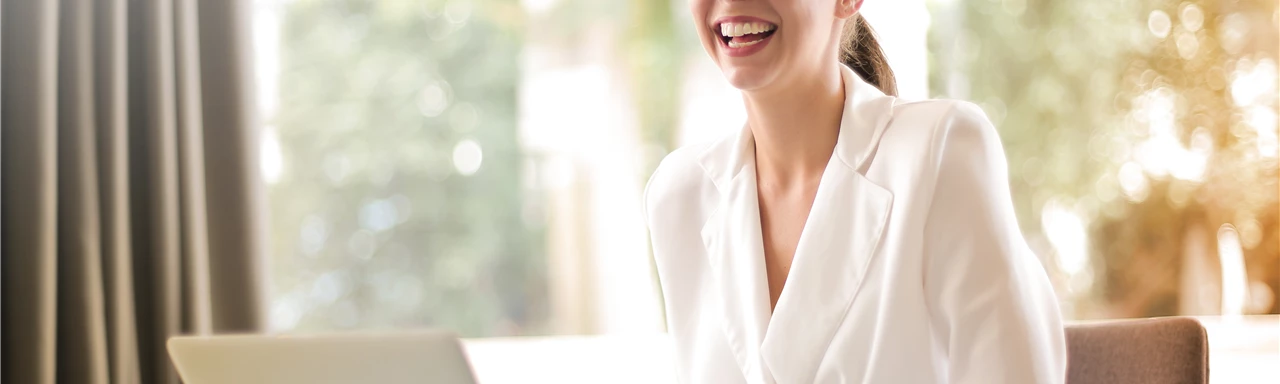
860,51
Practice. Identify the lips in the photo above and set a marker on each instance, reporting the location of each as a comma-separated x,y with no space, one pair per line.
743,35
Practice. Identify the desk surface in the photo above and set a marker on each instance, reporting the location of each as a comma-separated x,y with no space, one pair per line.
1241,350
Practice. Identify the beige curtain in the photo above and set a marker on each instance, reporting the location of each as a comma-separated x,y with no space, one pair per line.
130,206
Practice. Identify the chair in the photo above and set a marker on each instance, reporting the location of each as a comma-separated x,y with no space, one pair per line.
1160,350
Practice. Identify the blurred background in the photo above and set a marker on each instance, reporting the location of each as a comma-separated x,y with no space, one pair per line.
478,164
180,167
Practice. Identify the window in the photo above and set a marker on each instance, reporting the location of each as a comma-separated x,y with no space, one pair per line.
399,195
478,164
1141,138
446,163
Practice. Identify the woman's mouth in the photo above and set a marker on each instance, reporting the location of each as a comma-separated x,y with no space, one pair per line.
743,36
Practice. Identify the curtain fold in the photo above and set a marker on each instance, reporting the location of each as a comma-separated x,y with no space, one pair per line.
112,101
81,324
237,213
131,208
28,193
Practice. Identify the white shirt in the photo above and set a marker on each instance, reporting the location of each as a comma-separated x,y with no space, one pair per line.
910,269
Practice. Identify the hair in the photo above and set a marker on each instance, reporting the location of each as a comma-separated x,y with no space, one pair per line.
860,51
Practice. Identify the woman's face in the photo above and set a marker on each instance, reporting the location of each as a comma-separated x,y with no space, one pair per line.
757,42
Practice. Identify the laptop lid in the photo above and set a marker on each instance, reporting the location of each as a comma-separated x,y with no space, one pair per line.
389,358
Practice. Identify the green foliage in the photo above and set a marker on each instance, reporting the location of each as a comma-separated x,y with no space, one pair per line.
373,224
656,60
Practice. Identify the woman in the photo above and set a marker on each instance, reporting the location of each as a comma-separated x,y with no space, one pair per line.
843,235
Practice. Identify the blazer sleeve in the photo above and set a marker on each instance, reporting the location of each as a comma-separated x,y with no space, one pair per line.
991,305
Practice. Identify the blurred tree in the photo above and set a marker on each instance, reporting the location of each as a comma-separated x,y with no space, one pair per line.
655,57
1202,142
402,196
1120,114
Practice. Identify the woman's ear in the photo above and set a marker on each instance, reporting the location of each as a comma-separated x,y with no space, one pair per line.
847,8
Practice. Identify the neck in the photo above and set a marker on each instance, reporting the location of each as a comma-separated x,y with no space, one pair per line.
795,127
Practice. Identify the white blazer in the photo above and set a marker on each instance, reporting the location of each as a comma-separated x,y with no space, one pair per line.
910,269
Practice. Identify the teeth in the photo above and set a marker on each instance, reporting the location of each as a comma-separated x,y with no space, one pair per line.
742,29
734,44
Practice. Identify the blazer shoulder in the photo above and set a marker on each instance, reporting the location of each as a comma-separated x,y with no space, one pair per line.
678,179
944,114
953,127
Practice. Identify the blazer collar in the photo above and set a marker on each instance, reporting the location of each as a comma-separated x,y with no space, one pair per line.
836,245
867,111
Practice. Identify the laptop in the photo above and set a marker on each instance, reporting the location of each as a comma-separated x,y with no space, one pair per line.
388,358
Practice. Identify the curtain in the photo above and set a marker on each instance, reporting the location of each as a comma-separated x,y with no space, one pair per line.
130,206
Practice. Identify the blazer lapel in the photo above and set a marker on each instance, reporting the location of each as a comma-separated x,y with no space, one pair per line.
830,264
735,252
837,245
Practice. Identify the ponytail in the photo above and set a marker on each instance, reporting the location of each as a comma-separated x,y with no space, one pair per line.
860,51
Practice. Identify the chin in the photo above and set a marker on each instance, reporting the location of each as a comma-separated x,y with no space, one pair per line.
749,78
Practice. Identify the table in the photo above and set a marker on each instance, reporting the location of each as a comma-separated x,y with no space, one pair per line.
1242,350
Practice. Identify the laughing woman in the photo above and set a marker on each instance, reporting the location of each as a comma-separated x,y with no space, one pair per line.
843,235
